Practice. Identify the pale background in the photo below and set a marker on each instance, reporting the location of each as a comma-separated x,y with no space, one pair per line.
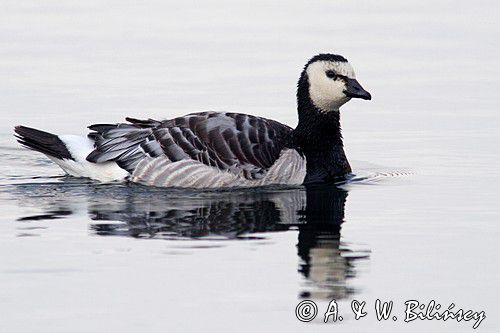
432,128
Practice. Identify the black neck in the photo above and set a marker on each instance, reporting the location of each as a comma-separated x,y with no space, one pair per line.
318,137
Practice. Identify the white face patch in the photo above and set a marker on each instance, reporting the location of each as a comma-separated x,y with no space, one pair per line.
328,94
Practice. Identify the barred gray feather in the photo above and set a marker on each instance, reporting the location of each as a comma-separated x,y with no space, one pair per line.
228,147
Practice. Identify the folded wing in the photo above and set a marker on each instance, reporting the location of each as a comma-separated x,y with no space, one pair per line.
241,144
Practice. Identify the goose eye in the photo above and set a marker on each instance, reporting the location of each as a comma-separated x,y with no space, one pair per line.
331,75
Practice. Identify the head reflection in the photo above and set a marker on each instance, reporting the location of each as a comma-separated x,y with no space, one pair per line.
326,262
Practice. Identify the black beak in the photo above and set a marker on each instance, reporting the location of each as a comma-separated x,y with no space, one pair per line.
355,90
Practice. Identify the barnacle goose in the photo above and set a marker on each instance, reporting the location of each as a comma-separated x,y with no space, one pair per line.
219,149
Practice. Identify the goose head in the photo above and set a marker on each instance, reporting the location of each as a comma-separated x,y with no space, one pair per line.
328,82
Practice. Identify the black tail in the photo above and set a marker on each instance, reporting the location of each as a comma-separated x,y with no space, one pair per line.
44,142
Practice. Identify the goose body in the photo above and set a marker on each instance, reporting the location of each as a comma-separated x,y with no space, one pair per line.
218,149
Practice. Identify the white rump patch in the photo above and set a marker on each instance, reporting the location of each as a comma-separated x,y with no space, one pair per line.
79,148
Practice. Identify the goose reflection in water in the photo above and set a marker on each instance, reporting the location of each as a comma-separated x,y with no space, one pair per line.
325,262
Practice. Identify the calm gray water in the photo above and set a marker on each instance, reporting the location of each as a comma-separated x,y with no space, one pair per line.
420,222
